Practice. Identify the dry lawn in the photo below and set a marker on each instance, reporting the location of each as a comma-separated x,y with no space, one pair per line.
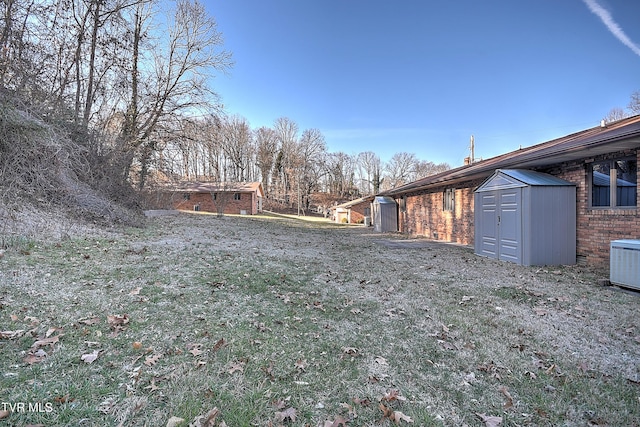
262,321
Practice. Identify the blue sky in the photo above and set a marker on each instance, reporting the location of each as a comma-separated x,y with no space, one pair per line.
422,76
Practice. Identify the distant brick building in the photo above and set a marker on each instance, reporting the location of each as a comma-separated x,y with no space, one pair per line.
602,162
352,212
226,198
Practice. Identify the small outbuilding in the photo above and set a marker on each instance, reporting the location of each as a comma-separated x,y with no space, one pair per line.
385,214
526,217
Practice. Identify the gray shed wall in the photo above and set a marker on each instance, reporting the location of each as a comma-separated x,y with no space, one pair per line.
385,215
525,224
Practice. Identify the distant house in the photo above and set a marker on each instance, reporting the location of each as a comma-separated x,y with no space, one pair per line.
243,198
352,212
602,163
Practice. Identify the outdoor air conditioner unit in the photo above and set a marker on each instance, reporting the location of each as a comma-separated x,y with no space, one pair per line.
624,261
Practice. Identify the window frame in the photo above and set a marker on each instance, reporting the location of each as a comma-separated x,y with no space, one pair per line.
613,183
449,200
237,196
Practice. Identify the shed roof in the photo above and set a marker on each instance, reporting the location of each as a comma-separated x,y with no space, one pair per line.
513,178
620,135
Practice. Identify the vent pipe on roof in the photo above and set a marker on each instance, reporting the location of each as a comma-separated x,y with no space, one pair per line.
603,123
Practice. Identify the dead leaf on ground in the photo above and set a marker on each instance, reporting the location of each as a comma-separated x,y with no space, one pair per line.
301,365
35,357
236,366
152,360
505,391
4,414
393,395
46,341
174,421
206,420
116,320
339,421
136,291
90,357
289,413
90,321
490,421
9,335
221,343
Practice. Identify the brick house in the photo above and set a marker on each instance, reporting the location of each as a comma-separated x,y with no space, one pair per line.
228,198
353,211
602,162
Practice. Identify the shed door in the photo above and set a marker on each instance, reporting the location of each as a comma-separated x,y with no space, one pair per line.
489,231
510,225
501,225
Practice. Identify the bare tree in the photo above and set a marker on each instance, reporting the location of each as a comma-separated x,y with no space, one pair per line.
369,168
287,136
426,168
266,148
400,169
178,80
634,104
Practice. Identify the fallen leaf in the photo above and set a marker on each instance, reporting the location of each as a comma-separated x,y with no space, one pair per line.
152,360
220,344
393,395
90,321
136,291
505,391
207,420
490,421
36,357
46,341
9,335
152,386
339,421
351,351
90,357
116,320
289,413
137,345
174,421
381,360
196,351
398,416
4,414
235,367
301,365
14,318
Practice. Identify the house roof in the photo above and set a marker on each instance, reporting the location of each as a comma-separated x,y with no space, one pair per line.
616,136
351,203
218,187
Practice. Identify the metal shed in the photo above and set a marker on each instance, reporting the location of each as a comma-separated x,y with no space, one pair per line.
385,214
526,217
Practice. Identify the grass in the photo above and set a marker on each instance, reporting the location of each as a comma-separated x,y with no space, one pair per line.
256,315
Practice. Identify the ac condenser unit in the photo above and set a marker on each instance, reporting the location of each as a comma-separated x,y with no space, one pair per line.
624,262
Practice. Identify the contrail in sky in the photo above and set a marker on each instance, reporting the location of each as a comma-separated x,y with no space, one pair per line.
612,25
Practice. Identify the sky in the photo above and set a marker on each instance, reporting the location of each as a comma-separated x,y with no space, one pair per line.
422,76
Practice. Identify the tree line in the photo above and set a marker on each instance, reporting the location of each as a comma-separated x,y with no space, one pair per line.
130,82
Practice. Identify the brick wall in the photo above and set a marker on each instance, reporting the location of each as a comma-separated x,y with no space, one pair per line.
358,212
597,227
424,214
248,202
